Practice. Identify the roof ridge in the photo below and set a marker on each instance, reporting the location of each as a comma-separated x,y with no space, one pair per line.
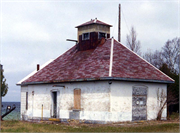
93,21
111,57
144,60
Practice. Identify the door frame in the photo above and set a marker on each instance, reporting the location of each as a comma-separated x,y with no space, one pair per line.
57,92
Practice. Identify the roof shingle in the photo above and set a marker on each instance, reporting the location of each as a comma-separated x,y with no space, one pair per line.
93,64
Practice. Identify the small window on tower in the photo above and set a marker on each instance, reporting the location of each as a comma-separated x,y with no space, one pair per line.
85,36
101,34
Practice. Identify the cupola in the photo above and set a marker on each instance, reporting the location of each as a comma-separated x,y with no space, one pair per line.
91,33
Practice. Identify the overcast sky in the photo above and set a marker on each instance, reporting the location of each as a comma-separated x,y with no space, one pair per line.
33,32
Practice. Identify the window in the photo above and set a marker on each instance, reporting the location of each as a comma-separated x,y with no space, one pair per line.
26,100
85,36
77,98
101,34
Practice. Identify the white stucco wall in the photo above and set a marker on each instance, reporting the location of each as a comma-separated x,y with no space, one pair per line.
121,100
100,100
23,101
152,101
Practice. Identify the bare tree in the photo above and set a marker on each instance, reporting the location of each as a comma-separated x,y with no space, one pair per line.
148,56
164,100
161,101
132,41
170,52
155,58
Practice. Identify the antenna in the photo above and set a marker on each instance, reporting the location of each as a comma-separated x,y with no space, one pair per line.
119,24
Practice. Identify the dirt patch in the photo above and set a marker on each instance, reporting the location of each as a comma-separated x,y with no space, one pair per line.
78,124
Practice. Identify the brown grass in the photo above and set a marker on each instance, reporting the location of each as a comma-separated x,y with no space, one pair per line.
75,126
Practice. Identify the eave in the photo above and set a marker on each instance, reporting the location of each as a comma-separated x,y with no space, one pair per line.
98,79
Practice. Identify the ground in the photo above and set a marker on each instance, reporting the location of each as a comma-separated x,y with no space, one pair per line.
171,125
75,126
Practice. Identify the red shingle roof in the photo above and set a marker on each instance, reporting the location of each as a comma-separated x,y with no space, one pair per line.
93,21
94,64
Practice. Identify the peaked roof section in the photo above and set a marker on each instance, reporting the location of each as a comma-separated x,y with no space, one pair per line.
129,65
94,64
93,21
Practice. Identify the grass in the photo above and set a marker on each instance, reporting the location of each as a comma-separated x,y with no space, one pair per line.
21,126
174,116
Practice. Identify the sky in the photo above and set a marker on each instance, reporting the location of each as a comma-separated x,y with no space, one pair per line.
33,32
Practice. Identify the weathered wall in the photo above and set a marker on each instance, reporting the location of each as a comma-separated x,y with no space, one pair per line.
93,28
100,100
23,101
152,101
94,97
121,101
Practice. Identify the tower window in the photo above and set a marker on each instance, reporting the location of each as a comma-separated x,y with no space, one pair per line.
101,34
85,36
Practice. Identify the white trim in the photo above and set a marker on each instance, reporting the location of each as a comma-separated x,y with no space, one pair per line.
111,57
35,71
145,61
95,20
54,90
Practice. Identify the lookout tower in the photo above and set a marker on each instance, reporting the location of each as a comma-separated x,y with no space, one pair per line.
91,33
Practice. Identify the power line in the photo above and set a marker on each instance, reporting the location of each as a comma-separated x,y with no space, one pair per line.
125,20
115,23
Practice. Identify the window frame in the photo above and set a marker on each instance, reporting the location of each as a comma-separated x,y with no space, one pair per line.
86,38
102,36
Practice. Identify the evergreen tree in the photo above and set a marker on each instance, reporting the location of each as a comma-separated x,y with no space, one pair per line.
172,89
4,86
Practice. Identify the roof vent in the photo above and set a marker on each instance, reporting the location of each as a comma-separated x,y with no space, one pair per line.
95,20
38,67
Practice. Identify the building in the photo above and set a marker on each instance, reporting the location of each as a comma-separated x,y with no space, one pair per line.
97,80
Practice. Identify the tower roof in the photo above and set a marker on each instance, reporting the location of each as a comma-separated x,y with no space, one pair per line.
93,21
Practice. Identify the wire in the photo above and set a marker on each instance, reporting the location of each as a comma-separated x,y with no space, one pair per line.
115,24
125,21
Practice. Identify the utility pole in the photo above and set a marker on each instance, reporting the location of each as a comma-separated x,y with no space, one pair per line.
119,24
0,94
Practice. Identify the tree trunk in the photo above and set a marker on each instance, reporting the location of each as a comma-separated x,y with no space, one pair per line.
160,111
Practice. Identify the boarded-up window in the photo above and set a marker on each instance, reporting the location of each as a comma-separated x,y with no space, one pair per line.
139,100
26,100
77,98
